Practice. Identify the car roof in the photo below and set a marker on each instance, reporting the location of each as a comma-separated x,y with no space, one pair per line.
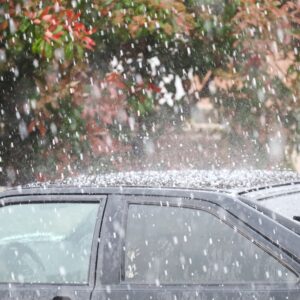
238,181
250,184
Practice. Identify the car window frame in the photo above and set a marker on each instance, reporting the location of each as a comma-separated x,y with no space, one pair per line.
65,198
214,209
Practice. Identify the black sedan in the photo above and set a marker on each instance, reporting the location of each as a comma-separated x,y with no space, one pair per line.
153,235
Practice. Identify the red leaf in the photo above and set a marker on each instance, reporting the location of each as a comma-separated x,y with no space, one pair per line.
69,13
153,87
77,16
45,11
112,77
42,129
79,26
104,12
31,126
48,35
56,36
47,18
89,43
52,28
120,84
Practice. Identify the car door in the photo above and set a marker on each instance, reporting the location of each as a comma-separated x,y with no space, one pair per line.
157,247
48,246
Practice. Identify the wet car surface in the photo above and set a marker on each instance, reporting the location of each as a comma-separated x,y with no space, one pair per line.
152,235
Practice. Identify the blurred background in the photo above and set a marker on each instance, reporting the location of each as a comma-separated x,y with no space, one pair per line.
118,85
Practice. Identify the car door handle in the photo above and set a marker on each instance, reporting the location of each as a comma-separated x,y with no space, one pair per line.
61,298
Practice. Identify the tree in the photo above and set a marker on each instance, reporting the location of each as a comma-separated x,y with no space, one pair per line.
79,80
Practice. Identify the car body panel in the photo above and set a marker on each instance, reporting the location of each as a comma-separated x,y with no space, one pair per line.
105,278
186,293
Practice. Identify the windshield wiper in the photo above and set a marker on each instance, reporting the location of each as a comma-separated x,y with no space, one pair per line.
296,218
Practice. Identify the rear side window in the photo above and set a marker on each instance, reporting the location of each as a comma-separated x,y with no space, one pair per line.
167,245
46,243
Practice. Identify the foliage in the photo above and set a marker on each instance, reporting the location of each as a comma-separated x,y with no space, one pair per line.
82,79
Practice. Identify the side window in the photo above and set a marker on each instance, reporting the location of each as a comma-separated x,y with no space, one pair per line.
46,243
181,245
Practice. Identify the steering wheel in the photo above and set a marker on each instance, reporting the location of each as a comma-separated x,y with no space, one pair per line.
14,256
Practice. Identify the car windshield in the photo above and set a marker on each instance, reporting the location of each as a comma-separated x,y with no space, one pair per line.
286,205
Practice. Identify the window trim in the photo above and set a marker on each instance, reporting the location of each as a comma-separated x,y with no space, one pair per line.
66,198
214,210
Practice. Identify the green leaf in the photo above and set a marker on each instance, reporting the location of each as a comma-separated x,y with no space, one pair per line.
48,50
24,25
69,50
37,45
107,2
128,3
80,51
118,6
58,29
141,9
144,107
140,32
